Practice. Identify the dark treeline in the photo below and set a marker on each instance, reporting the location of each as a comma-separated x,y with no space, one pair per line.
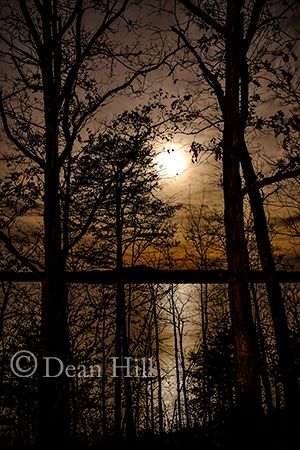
81,191
145,275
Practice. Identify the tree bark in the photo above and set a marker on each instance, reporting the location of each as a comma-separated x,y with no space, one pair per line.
184,376
282,334
54,407
54,397
205,372
248,389
122,350
176,354
264,364
159,378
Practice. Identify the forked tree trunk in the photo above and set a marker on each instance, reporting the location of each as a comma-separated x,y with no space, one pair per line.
248,391
244,334
54,395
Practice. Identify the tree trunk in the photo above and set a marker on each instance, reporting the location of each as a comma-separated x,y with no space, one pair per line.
184,376
176,353
121,335
283,340
54,396
245,349
264,363
205,373
248,392
54,401
159,379
54,408
103,379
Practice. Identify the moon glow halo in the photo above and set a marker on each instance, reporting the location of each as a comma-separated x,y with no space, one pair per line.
171,163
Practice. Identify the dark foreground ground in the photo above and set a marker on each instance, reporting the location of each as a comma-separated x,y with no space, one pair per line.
215,437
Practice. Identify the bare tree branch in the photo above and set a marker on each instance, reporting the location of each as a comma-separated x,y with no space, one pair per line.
18,255
110,93
34,87
31,26
80,57
71,19
89,220
280,176
15,141
252,29
209,76
203,15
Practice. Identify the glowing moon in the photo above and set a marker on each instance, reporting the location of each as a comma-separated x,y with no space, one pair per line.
171,163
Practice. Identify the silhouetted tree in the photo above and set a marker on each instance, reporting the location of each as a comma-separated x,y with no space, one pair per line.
227,42
130,218
61,63
219,364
